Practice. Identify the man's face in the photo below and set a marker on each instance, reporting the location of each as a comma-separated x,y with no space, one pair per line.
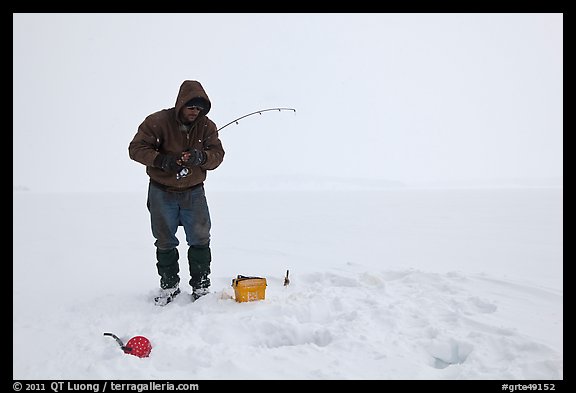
190,113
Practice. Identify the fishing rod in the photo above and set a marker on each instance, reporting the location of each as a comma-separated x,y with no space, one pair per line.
185,171
257,112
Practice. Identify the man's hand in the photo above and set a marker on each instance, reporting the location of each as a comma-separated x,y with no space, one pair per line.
193,157
168,162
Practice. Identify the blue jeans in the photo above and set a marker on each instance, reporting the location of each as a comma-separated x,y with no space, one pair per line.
168,210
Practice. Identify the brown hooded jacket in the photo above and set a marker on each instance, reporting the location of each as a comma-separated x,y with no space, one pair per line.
163,132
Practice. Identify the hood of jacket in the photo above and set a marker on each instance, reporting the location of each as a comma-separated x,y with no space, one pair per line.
190,89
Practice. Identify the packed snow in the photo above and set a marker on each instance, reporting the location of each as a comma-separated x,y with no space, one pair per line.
386,283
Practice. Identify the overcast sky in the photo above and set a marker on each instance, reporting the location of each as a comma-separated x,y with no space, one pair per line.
414,98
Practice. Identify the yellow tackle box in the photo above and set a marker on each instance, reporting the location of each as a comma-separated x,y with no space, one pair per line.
247,289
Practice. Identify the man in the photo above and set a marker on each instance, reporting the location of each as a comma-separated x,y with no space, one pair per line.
178,145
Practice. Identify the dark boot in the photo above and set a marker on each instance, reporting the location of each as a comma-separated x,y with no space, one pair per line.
166,296
168,268
199,259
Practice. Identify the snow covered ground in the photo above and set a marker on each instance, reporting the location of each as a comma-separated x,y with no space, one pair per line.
399,283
